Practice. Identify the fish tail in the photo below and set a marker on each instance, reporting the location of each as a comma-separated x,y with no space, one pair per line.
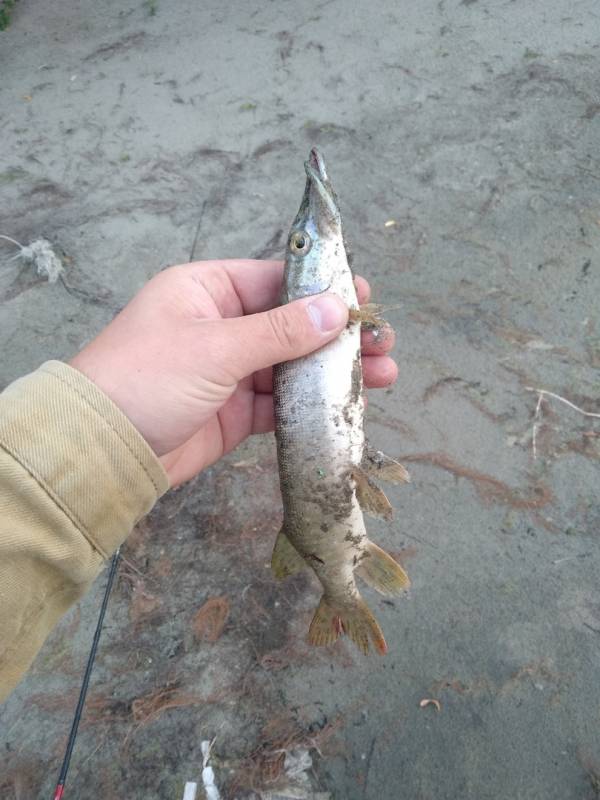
354,618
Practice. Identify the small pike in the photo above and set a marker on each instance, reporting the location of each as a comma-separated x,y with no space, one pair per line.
325,464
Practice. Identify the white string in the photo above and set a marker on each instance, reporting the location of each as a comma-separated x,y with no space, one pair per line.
41,255
536,417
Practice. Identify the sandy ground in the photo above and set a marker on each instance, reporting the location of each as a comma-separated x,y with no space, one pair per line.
131,131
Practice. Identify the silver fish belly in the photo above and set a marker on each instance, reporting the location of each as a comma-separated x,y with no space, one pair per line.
324,462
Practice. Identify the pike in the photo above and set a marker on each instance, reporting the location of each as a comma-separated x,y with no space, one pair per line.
325,464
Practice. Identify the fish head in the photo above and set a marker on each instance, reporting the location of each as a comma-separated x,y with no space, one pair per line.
316,259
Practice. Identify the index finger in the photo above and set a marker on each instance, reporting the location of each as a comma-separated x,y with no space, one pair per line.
256,284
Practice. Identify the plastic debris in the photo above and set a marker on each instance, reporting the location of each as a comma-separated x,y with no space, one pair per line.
296,773
296,763
189,790
208,775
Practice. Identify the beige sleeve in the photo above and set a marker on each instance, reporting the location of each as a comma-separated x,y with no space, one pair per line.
75,477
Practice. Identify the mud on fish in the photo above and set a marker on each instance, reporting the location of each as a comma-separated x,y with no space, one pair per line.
326,467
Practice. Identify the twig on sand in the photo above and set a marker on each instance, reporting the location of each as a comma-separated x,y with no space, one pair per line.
368,766
536,417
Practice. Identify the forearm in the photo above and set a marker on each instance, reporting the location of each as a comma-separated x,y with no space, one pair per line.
75,477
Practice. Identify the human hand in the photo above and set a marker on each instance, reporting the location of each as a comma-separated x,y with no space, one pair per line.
189,359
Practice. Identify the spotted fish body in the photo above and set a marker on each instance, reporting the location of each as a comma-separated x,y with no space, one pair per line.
324,461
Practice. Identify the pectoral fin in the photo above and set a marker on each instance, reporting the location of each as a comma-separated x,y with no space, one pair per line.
381,572
370,497
377,464
286,560
369,315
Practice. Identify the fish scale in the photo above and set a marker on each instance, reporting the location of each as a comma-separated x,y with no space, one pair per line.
325,464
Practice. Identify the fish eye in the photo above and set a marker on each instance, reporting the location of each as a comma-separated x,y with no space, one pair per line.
300,243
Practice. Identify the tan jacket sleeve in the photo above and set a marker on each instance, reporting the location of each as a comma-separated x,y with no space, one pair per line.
75,477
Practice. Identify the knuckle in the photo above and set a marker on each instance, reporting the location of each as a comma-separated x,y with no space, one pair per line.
283,328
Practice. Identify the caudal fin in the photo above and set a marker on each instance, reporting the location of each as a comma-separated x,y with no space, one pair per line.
353,618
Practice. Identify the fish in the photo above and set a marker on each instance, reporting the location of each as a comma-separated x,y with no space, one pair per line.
326,465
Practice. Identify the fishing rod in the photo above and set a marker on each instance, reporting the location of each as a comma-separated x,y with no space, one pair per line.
60,786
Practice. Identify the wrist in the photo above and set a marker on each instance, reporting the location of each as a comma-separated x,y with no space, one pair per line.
117,389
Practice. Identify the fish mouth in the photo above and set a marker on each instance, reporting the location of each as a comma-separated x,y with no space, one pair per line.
316,161
319,197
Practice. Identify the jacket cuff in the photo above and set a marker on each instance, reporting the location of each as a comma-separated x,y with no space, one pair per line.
83,451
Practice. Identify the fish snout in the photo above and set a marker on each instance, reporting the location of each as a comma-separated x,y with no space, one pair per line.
322,202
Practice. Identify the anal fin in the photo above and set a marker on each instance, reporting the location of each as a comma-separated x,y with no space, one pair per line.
354,618
381,572
377,464
370,497
286,560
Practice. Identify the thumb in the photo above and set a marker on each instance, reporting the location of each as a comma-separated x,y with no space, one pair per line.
282,334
